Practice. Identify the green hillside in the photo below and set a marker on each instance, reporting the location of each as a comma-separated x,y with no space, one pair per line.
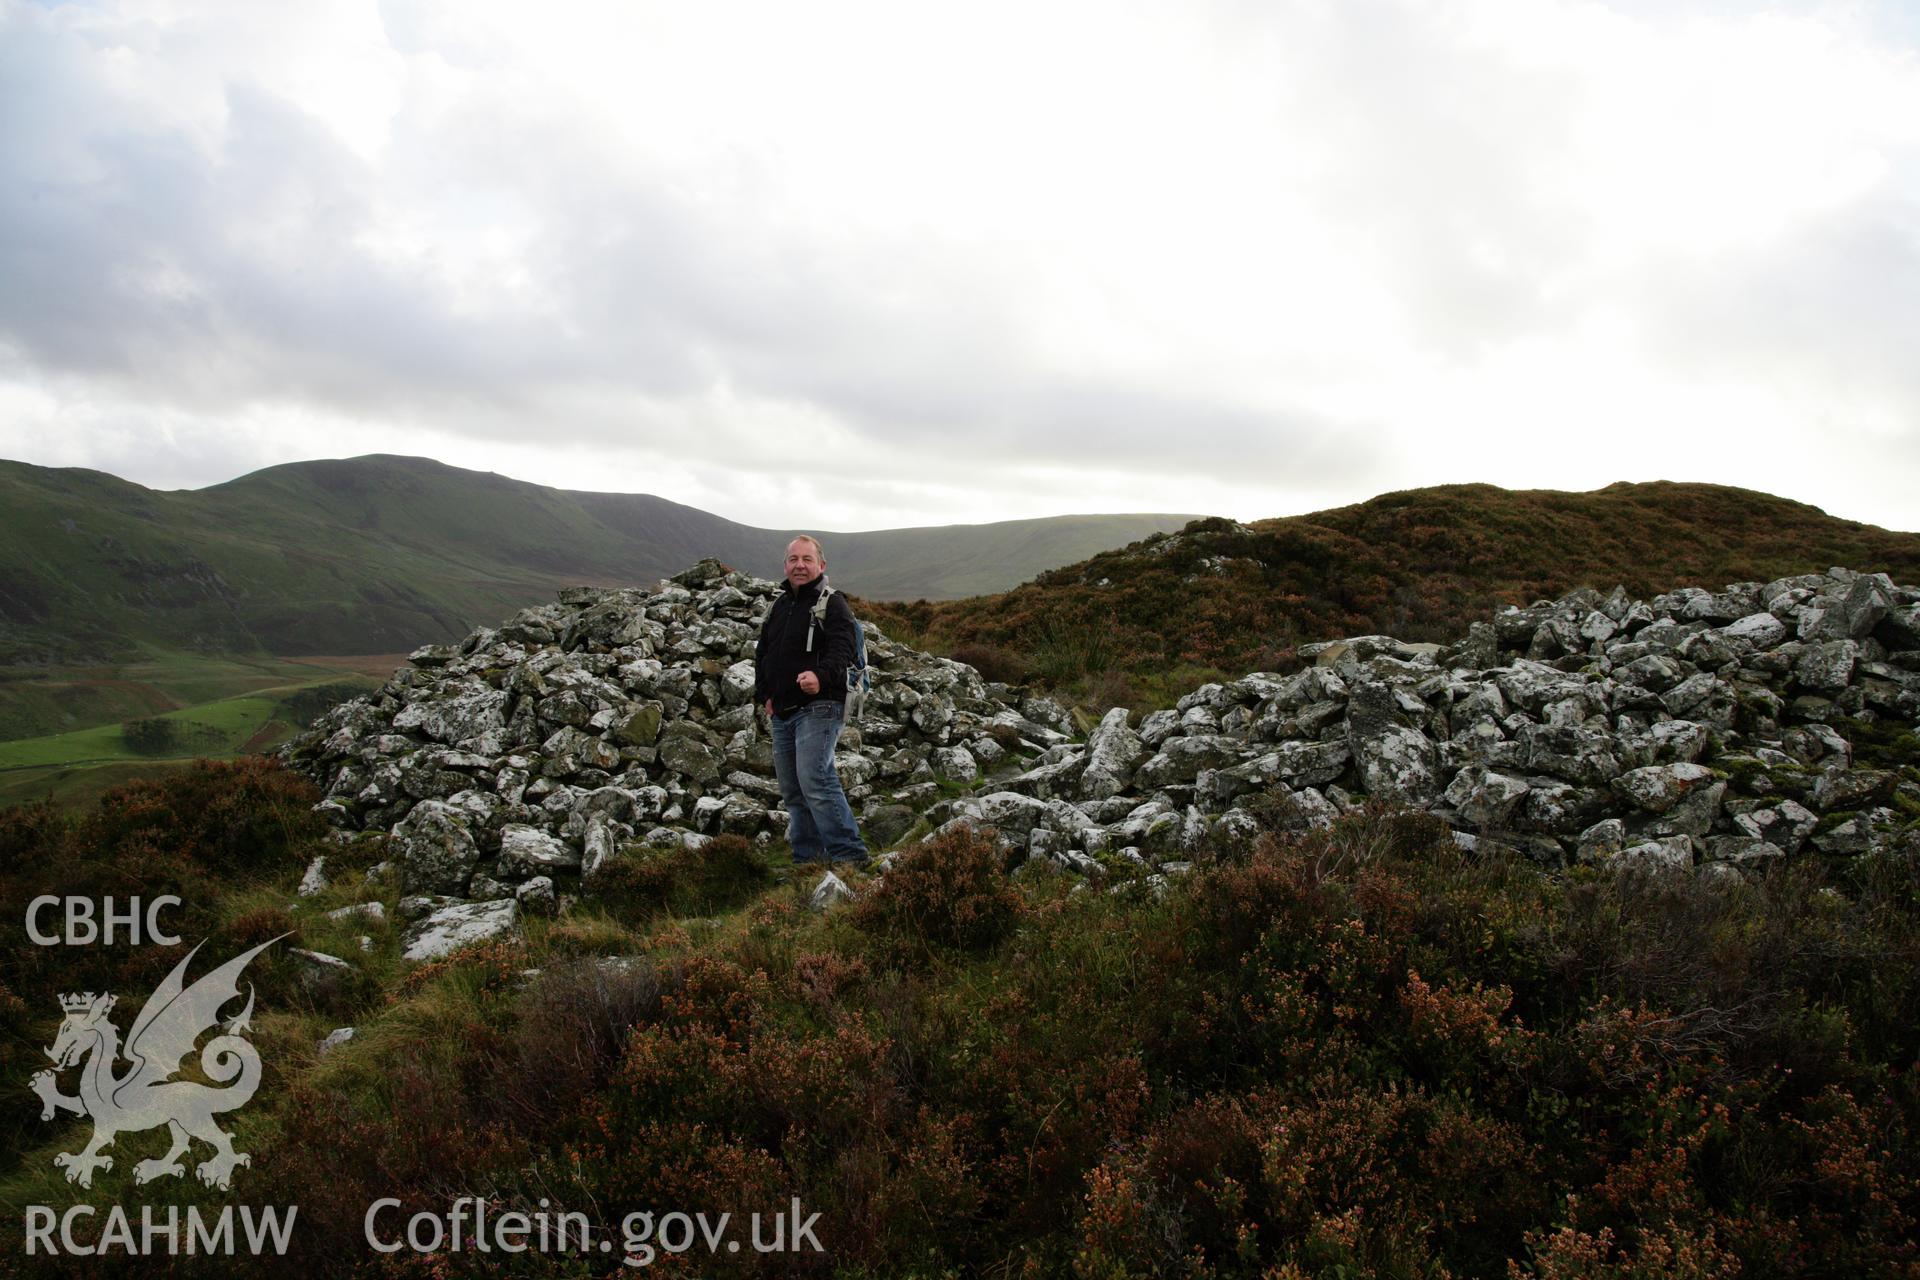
94,565
1419,565
37,702
378,554
64,736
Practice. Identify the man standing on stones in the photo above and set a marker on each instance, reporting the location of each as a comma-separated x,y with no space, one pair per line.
800,677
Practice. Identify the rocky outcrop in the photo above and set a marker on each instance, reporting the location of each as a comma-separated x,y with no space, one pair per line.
1698,728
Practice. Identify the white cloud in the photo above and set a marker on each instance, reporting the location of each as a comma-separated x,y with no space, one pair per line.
985,261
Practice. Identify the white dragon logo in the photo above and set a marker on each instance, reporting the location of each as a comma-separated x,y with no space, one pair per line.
145,1097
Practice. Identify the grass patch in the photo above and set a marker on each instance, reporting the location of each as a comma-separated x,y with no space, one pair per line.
77,786
720,874
38,702
211,730
77,767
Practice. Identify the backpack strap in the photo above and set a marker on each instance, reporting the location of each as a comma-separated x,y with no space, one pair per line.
819,611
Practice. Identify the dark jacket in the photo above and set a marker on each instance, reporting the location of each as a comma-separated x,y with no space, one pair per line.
783,653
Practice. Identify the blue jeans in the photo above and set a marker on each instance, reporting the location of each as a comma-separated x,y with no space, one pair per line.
819,820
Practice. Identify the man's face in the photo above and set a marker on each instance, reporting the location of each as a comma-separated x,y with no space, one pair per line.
803,562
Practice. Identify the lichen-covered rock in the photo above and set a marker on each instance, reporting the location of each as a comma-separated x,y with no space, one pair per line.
1854,615
955,764
371,912
640,726
1828,665
468,714
1841,787
1785,825
1759,630
1742,851
457,925
1601,840
1557,808
1181,759
536,896
1586,756
1011,813
598,843
569,752
435,848
831,891
1671,853
529,851
1484,798
736,684
315,879
319,973
691,759
1398,764
1060,777
1114,751
1658,788
1694,814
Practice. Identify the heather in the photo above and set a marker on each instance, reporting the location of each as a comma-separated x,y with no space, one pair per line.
1143,623
1361,1050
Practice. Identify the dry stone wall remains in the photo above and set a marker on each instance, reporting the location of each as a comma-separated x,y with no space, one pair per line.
1715,730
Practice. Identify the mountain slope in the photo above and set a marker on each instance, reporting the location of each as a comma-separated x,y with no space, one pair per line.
381,553
1420,565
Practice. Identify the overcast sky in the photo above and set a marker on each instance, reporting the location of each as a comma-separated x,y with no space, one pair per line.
852,265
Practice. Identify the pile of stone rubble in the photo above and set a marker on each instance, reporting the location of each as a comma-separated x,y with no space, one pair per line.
1699,728
510,767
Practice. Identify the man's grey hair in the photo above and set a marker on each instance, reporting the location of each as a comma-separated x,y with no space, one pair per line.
818,550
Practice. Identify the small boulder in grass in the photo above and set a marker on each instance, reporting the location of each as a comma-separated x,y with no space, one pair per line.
831,891
458,925
315,878
320,971
536,897
1673,853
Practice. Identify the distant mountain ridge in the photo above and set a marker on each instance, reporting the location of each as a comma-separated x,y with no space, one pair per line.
382,553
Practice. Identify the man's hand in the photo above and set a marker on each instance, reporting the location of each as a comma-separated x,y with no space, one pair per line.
769,708
809,683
